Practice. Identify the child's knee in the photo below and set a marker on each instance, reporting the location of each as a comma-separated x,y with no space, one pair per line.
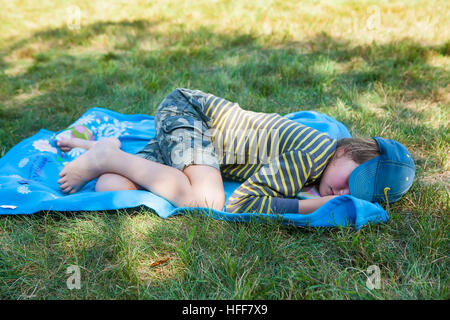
113,182
205,187
214,199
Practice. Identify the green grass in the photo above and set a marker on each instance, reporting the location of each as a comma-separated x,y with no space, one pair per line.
272,56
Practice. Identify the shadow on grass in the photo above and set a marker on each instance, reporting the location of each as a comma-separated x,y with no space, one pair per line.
140,66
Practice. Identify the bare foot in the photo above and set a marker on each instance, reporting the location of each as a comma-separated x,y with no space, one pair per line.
67,144
88,166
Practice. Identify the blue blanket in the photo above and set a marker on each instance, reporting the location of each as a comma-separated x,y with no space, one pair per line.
29,174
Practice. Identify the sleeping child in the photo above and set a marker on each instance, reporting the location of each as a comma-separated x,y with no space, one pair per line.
202,138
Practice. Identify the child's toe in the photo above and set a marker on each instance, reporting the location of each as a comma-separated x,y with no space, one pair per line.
64,185
66,189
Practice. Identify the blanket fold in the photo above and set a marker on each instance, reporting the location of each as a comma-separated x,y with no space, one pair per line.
29,174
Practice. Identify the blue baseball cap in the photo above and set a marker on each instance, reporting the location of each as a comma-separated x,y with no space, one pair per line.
390,174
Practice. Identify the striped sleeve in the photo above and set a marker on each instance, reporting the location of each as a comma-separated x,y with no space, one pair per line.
273,187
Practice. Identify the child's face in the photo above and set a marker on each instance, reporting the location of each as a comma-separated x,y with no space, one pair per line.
334,180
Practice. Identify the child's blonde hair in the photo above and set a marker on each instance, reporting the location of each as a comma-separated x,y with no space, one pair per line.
359,150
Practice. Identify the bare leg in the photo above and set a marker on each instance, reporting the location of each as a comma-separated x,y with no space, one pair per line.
197,185
114,182
206,185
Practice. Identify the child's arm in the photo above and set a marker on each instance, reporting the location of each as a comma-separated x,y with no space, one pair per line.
311,205
273,187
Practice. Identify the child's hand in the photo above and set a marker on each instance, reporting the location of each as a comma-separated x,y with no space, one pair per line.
311,205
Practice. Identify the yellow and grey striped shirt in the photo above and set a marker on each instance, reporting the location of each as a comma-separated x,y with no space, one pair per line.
273,156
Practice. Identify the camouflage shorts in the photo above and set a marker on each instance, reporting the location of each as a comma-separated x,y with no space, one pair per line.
183,135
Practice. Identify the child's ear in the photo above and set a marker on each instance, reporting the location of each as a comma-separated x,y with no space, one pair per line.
339,152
